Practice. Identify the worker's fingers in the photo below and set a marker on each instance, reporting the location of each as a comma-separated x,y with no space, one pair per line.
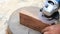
54,29
51,32
47,33
46,29
49,28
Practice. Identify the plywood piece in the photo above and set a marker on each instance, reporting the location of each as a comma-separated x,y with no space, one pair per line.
32,22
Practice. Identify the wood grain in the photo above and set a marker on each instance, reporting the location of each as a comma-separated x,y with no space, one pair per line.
32,22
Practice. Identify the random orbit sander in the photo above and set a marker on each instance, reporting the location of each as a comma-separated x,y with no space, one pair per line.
49,13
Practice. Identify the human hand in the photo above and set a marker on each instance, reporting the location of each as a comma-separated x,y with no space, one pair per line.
54,29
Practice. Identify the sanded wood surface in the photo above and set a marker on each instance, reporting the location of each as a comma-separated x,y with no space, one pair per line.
32,22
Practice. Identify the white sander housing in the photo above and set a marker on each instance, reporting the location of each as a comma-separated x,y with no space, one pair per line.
50,10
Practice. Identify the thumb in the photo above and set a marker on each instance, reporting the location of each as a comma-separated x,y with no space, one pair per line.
47,33
46,29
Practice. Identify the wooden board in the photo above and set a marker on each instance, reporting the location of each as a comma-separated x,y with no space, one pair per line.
32,22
